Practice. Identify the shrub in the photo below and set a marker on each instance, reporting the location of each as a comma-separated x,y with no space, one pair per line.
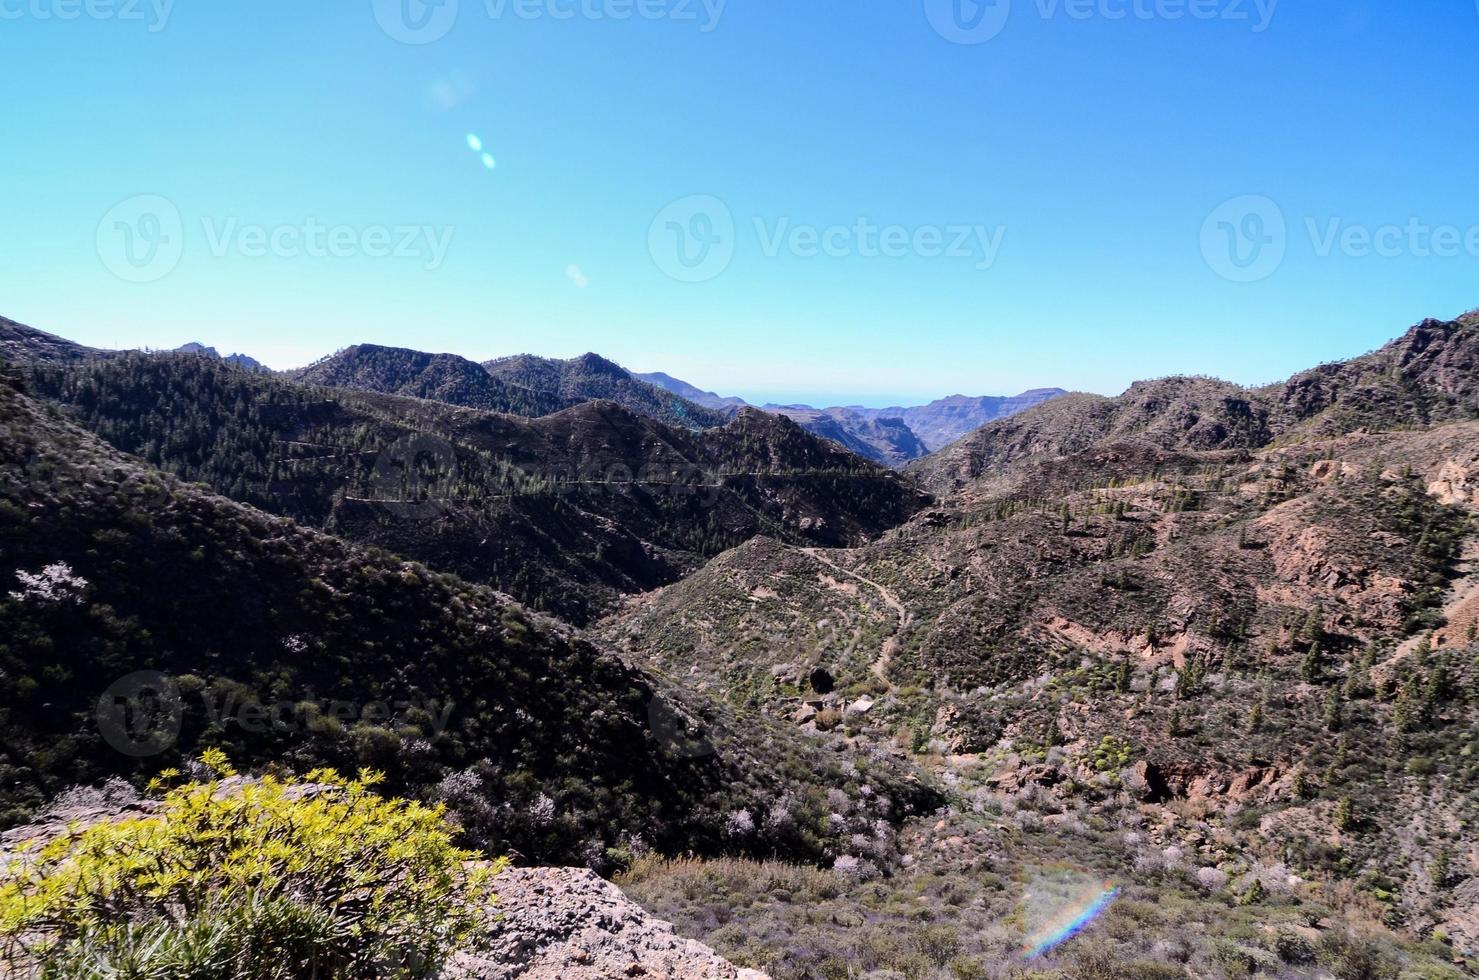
1111,754
278,879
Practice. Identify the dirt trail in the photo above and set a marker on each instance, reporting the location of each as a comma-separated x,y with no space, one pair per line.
880,666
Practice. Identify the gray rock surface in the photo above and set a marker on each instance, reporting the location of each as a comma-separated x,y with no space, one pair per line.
570,924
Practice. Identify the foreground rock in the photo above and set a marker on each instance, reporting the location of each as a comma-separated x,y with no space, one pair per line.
568,923
565,923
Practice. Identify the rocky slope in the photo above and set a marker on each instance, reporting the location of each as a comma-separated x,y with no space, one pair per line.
568,924
20,343
1426,376
1183,610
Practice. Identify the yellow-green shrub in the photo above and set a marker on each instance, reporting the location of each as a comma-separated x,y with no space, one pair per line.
273,879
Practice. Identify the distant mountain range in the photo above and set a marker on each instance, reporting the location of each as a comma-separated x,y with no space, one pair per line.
891,436
533,387
235,360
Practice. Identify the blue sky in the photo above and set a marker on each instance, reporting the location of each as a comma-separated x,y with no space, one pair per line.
872,211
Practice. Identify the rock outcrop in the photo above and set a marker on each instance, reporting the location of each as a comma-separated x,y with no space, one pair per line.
569,924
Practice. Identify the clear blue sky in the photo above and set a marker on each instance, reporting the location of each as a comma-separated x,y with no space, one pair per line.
1096,146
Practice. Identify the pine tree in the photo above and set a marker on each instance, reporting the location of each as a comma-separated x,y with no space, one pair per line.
1439,870
1345,814
1310,668
1334,716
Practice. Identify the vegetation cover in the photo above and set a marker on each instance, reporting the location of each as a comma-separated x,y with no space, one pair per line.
230,879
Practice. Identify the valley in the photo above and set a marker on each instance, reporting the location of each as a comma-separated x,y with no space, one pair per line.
1208,651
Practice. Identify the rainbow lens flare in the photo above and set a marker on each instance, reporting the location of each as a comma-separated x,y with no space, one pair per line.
1061,903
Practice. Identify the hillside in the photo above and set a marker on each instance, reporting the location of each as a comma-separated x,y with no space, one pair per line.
1234,639
593,378
20,343
438,377
566,513
1426,376
287,647
1222,640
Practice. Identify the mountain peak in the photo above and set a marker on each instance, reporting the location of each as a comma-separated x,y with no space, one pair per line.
596,364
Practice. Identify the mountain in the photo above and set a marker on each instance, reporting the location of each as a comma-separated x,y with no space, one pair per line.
437,377
150,618
1429,375
685,390
890,436
942,422
1195,669
591,377
235,360
22,344
568,513
889,442
1231,634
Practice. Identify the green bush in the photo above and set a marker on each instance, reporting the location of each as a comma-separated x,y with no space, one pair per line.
277,879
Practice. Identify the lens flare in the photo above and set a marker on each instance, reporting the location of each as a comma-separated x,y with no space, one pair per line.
1062,903
474,143
488,161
